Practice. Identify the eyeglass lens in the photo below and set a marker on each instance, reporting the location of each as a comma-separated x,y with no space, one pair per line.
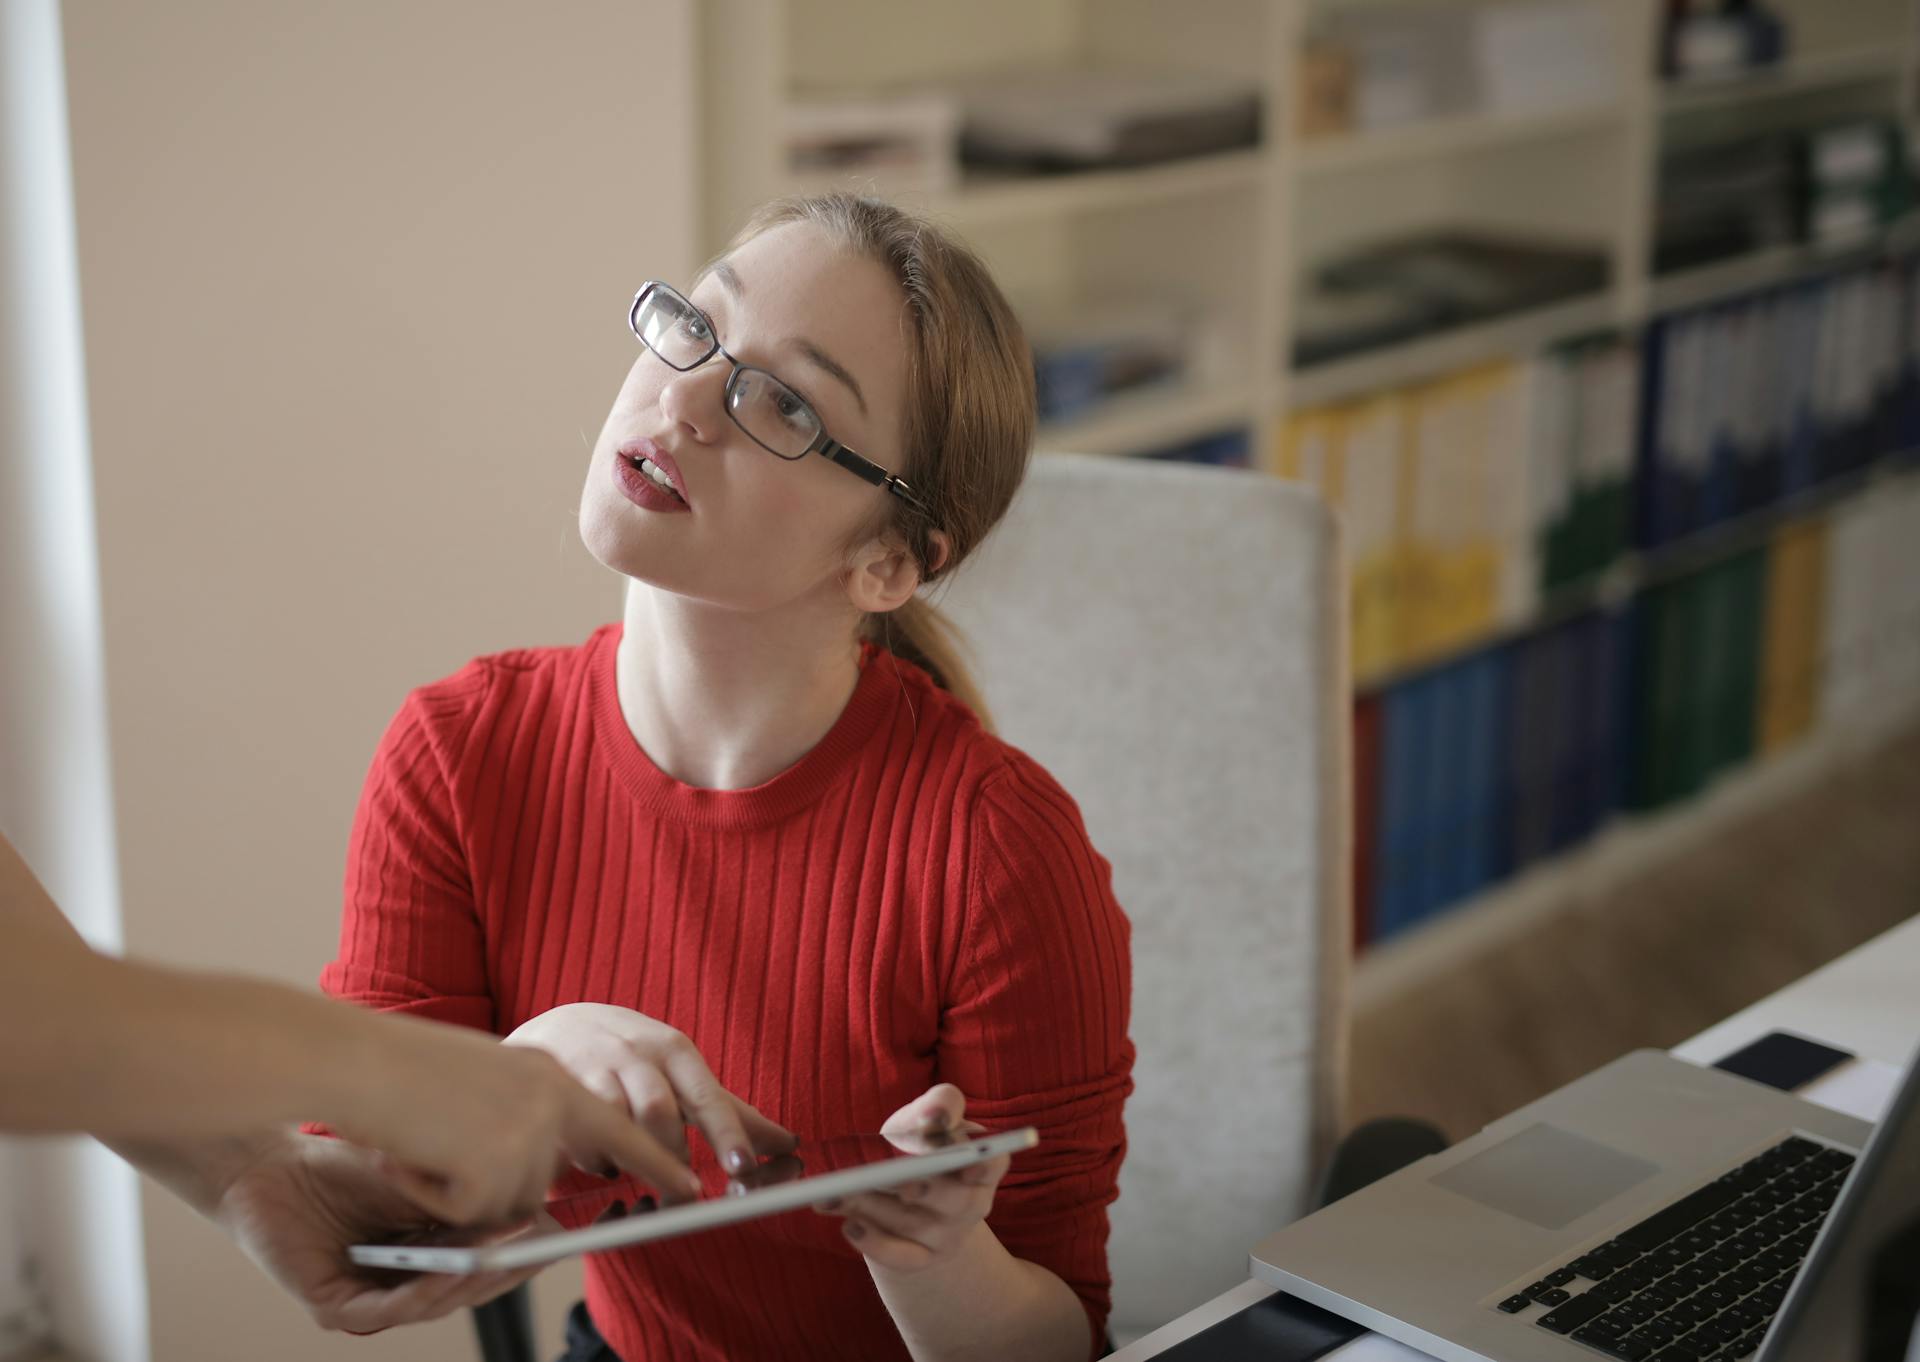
775,415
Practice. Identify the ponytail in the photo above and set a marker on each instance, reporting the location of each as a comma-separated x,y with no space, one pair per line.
918,633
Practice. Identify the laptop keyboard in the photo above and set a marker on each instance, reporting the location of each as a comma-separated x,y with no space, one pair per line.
1701,1280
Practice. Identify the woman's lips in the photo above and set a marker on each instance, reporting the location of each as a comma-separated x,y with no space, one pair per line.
640,489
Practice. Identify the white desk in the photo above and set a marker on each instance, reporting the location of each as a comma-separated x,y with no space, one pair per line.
1867,1001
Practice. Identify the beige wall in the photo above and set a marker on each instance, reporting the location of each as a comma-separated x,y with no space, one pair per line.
352,277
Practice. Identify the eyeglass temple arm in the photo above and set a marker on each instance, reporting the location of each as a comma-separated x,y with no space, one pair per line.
871,472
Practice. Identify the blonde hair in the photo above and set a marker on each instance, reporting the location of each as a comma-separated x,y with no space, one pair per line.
970,407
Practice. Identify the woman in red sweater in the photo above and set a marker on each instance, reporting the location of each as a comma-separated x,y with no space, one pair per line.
749,860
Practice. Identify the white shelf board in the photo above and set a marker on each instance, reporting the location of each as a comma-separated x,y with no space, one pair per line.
1682,289
1797,75
1149,420
1444,352
987,199
1450,136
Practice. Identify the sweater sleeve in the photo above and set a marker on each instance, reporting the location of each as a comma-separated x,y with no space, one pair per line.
410,936
1035,1029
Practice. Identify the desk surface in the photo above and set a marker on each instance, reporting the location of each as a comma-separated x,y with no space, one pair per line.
1867,1001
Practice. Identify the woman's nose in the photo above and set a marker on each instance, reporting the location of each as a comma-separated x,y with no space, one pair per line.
696,399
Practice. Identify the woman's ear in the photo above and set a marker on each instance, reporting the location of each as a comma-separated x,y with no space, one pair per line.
883,576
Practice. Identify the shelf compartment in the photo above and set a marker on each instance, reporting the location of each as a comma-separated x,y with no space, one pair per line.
1449,137
1444,352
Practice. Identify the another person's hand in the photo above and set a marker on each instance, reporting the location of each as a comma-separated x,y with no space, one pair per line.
922,1223
475,1131
296,1211
655,1073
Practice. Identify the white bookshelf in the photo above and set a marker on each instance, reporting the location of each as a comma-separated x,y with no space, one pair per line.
1240,231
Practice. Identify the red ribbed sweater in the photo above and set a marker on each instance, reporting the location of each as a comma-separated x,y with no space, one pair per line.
913,902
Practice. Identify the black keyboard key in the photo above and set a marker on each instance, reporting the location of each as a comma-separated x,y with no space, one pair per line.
1716,1297
1685,1213
1631,1349
1836,1159
1658,1333
1660,1297
1720,1331
1592,1268
1746,1281
1693,1275
1695,1241
1677,1353
1613,1290
1633,1313
1513,1305
1553,1295
1599,1333
1689,1312
1576,1312
1795,1149
1616,1251
1560,1276
1723,1226
1721,1261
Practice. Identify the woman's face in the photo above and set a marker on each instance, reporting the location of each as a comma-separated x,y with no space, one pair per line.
751,531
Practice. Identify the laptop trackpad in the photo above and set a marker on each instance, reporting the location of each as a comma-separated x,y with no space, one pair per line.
1546,1176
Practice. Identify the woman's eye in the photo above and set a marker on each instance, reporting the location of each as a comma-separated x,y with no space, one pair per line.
789,406
695,328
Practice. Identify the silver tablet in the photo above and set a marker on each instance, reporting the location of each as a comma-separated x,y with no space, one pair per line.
829,1169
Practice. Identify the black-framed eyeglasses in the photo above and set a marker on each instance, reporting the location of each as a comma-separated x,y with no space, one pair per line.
774,416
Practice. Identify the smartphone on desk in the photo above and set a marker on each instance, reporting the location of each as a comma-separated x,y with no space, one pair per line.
817,1172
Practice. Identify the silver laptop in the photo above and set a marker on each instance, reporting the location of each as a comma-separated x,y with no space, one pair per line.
1653,1210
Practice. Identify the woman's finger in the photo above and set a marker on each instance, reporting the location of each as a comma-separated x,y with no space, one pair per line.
928,1121
769,1136
655,1107
889,1213
888,1250
709,1106
439,1198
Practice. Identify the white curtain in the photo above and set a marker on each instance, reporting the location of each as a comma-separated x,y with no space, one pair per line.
69,1211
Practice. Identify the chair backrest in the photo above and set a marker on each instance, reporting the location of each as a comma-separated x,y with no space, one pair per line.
1169,642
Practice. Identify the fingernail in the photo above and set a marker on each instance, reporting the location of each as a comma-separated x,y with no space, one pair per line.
739,1160
832,1204
691,1182
855,1229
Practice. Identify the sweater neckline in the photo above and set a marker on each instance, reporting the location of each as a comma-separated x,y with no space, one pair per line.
799,786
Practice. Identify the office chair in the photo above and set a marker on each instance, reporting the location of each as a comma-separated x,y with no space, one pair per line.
1169,641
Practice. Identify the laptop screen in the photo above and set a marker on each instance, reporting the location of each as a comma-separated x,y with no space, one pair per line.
1855,1299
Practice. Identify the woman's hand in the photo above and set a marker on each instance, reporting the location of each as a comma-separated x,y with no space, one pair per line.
296,1210
651,1070
475,1132
923,1223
